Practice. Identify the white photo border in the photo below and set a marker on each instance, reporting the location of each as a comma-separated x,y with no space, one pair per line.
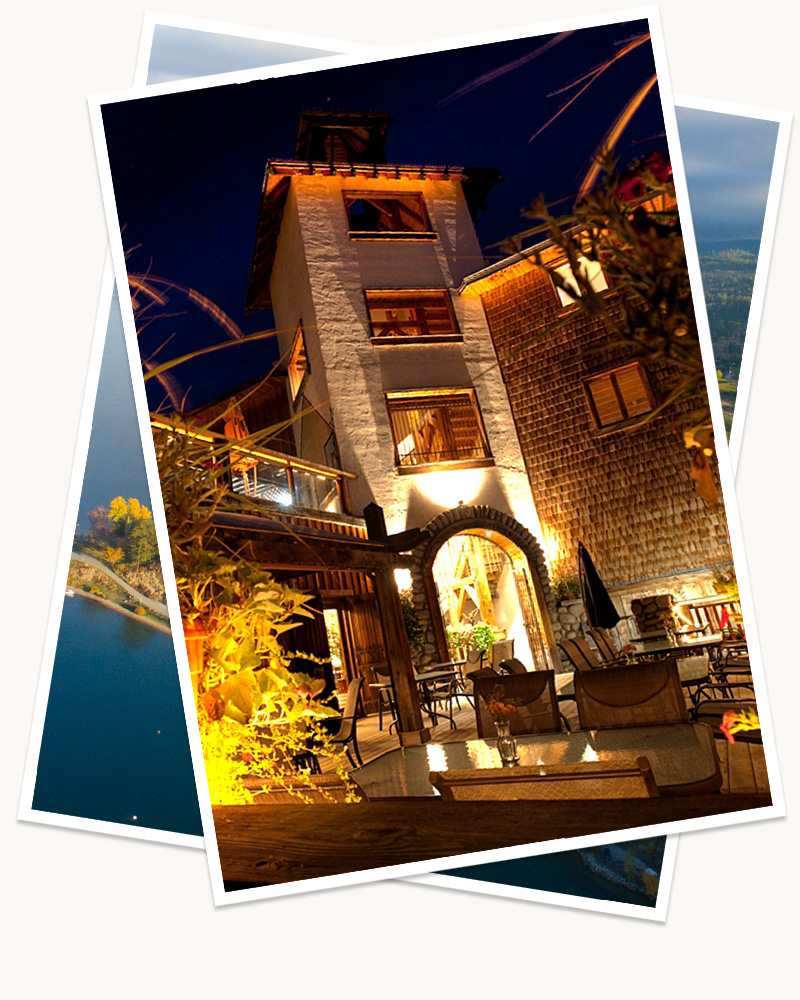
783,119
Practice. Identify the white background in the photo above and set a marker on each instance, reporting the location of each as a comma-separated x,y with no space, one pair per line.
106,916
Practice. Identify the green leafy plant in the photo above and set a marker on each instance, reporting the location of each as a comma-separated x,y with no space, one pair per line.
467,635
565,587
416,636
254,714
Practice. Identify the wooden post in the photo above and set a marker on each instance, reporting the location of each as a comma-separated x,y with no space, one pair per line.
410,728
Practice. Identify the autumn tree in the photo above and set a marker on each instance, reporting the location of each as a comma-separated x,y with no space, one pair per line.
126,513
112,555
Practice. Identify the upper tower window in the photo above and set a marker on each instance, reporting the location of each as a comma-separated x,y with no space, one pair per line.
297,365
590,270
400,317
381,216
437,427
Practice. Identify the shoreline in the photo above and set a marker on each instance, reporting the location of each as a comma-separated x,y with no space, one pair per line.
144,619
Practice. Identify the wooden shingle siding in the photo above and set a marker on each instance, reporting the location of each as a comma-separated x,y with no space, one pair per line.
627,494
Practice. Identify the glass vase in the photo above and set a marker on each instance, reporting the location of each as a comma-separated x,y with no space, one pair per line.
506,744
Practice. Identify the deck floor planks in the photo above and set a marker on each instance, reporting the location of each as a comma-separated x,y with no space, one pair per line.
744,768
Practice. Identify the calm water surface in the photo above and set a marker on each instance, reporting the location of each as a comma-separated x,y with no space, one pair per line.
114,743
564,873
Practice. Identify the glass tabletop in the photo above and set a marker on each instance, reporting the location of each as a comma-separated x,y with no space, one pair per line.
678,755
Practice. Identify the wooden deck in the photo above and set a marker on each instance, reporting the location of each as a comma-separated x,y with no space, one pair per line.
744,769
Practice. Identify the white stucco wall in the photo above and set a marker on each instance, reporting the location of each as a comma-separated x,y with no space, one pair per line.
293,303
319,276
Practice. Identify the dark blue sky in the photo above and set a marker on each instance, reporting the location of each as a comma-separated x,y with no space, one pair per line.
114,465
188,168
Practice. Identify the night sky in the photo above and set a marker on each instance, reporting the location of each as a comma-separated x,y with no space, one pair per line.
188,168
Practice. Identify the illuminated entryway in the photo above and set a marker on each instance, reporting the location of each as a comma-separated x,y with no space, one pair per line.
476,563
481,576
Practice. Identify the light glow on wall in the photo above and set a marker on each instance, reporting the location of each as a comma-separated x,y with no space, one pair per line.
447,489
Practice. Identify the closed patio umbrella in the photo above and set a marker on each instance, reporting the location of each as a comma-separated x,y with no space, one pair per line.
600,610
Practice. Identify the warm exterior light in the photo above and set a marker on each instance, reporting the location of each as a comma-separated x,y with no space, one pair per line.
449,487
402,577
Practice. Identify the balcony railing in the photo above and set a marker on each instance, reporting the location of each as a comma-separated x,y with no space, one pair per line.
275,477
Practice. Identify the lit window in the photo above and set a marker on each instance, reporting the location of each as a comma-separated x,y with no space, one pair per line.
620,394
297,365
398,316
379,215
438,426
590,270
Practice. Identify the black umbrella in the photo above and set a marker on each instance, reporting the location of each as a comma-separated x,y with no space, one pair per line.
600,610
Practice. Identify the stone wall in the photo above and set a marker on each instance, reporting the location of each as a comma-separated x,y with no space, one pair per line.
627,494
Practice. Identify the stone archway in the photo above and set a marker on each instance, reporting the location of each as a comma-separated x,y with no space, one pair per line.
466,519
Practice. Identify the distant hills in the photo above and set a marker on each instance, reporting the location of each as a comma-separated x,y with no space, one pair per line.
728,269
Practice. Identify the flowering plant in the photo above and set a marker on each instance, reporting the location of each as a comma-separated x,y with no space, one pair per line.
499,709
739,722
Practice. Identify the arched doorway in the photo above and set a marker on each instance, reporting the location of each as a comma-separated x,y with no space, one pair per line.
482,577
476,563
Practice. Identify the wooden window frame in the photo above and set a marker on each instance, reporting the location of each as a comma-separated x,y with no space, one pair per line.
299,340
625,421
408,295
393,234
425,395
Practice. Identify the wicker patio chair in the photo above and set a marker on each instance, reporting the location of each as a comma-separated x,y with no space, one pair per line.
643,694
533,695
606,647
619,779
513,666
580,654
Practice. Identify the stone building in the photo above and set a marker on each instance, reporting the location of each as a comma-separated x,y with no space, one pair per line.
472,481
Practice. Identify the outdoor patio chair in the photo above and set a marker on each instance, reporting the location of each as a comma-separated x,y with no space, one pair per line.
385,696
620,779
643,694
712,701
469,681
533,695
474,659
580,654
501,650
347,736
606,647
437,699
513,666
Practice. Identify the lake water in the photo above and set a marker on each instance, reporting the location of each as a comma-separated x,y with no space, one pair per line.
564,873
114,744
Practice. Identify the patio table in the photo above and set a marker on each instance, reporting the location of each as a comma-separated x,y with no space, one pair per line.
683,758
662,646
